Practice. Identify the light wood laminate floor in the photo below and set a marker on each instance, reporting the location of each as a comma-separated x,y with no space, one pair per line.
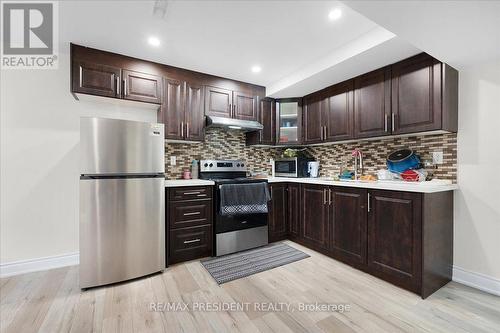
51,301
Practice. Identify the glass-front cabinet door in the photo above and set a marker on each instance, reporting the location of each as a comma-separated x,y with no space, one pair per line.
289,121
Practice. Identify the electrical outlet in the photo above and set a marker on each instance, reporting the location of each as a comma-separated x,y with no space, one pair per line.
437,157
173,160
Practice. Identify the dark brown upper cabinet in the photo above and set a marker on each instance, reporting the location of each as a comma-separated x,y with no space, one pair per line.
230,104
96,79
372,104
418,87
245,106
101,73
172,110
109,81
328,114
313,114
395,237
289,121
182,111
141,87
218,102
339,118
195,116
267,117
349,224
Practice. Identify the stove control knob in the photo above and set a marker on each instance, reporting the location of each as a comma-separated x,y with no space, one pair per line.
205,165
242,165
211,165
238,165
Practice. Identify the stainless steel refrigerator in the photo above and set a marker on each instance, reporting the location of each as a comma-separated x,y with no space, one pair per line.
122,200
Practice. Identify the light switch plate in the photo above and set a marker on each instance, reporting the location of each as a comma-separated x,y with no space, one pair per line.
437,157
173,160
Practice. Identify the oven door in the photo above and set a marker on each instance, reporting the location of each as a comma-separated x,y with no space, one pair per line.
226,223
286,168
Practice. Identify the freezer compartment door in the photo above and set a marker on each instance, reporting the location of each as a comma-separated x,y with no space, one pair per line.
113,146
122,229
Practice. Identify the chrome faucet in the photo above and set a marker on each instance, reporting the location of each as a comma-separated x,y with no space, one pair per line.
356,153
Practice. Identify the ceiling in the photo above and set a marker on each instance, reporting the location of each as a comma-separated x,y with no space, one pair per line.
460,33
298,48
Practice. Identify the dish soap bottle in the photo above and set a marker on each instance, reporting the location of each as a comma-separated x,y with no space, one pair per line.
194,169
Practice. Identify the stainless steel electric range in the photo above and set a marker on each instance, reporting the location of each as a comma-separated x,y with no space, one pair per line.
236,232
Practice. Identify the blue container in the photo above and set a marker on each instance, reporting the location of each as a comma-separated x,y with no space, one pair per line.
402,160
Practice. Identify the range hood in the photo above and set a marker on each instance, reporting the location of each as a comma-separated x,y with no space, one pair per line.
234,124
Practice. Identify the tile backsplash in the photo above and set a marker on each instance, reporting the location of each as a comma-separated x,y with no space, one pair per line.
333,157
220,144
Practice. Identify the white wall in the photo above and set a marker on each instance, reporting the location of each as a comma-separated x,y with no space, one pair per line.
477,203
39,159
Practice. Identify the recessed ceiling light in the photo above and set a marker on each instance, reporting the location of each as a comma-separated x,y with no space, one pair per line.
256,69
334,14
153,41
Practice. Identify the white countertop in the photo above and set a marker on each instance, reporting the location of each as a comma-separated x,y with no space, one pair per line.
421,187
188,182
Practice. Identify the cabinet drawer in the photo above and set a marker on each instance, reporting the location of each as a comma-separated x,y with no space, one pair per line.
190,193
190,243
183,214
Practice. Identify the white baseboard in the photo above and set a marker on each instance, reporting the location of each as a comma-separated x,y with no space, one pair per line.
38,264
477,280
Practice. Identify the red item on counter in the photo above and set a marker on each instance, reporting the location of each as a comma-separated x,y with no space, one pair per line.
410,176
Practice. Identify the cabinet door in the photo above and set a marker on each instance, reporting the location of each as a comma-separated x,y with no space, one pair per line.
339,118
372,104
416,95
289,121
394,237
268,120
195,116
348,219
293,213
218,102
245,106
315,226
278,212
312,122
142,87
173,110
95,79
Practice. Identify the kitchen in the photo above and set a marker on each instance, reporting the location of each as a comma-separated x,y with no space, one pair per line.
273,168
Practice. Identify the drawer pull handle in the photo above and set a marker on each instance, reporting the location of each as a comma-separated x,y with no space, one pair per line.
189,193
192,241
193,213
201,195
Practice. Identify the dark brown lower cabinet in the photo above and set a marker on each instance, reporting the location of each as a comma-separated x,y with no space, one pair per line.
315,218
395,237
293,210
404,238
189,219
348,224
190,243
277,220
